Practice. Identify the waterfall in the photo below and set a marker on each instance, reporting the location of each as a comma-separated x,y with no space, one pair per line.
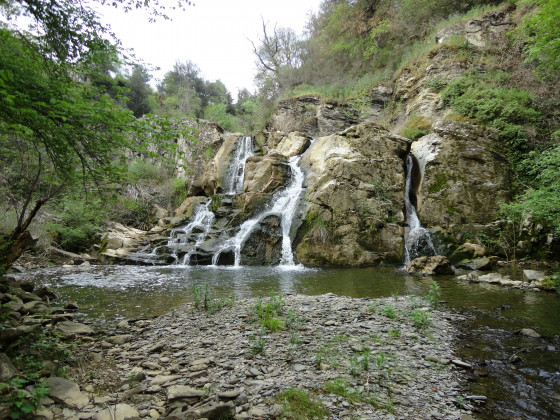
417,240
236,171
284,204
202,221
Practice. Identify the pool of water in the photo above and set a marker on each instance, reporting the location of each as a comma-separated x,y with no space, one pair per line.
528,388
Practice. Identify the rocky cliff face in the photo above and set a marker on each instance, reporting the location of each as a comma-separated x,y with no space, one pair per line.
464,177
354,199
351,213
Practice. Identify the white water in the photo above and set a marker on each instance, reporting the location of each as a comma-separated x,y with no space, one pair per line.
236,171
202,221
416,238
283,204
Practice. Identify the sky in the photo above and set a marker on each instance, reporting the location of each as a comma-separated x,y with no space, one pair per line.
213,34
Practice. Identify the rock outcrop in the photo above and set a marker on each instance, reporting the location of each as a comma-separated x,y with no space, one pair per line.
464,177
355,193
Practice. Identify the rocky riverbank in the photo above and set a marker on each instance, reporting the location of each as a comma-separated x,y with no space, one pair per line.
293,356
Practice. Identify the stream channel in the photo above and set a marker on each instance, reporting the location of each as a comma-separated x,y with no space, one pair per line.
519,375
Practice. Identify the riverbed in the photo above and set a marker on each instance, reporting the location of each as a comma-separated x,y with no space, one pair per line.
519,375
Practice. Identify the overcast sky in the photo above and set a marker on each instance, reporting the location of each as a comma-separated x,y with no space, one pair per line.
213,34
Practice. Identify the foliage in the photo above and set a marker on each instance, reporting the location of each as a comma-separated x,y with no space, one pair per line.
297,404
487,99
203,300
541,34
60,126
388,311
433,295
268,313
416,127
79,223
25,391
541,201
257,343
421,319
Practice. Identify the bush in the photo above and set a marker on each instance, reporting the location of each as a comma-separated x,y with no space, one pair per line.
540,202
77,225
509,110
416,127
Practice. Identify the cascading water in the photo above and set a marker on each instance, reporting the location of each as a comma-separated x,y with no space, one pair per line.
200,225
284,204
417,239
236,171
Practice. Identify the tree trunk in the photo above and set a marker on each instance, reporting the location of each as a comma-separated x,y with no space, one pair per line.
11,249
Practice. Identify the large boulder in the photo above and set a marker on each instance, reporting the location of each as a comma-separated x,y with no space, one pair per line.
463,177
293,144
430,266
264,244
264,175
355,196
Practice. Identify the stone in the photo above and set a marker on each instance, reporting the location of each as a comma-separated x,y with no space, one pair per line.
293,144
533,275
464,177
430,266
160,380
36,307
7,369
182,391
528,332
67,392
461,364
71,329
119,339
117,412
354,190
213,412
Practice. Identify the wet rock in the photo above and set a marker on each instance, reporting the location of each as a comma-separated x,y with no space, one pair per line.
66,391
264,244
355,191
430,266
464,178
533,275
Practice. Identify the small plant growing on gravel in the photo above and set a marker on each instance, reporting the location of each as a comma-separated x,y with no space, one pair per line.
273,324
355,367
269,313
388,311
297,404
420,319
433,295
372,308
294,322
202,299
257,344
394,333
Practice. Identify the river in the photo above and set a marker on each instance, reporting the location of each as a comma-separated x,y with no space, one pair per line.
519,375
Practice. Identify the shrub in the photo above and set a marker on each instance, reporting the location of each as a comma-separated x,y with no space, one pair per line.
77,224
508,109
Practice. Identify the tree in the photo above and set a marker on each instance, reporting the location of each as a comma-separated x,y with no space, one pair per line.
59,127
139,92
278,54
